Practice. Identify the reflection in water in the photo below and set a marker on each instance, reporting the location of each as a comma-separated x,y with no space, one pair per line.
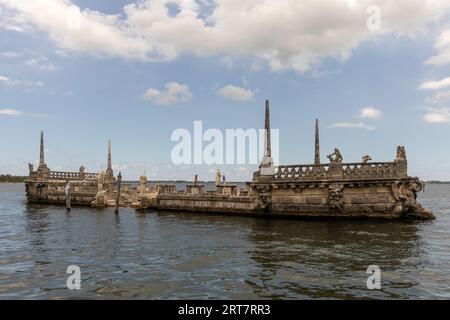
155,255
328,258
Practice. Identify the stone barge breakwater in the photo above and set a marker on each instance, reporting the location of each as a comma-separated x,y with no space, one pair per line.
336,189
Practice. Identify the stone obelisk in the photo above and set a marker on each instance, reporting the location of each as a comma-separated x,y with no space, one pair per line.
109,174
42,168
266,167
317,145
41,152
109,165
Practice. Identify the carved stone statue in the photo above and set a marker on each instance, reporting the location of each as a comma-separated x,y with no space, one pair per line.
30,167
335,156
82,173
366,158
218,177
401,153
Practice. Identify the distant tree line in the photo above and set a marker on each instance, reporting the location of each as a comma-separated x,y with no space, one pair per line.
11,178
438,182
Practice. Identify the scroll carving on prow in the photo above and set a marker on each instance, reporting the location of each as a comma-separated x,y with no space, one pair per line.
405,194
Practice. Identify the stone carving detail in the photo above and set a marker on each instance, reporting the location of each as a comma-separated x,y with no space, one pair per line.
366,158
335,156
82,173
405,194
218,177
30,168
401,153
265,200
335,196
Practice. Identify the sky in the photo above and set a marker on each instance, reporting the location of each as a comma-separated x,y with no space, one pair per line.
376,73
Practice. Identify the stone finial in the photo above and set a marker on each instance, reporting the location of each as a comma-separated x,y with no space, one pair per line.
401,153
317,145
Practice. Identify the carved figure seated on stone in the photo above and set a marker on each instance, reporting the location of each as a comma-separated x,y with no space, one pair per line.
401,153
82,168
366,158
335,156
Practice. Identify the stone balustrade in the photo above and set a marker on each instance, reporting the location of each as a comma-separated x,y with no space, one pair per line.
60,175
345,171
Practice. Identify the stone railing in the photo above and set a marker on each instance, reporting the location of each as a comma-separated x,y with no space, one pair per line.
61,175
337,170
300,172
369,170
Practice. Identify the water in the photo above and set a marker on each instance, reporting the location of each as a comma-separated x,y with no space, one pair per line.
180,255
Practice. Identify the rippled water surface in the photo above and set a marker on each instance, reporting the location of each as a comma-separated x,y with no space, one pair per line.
156,255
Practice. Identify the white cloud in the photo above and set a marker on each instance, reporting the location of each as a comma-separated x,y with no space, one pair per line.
358,125
285,34
83,31
442,44
9,54
10,112
4,79
235,93
369,112
434,85
439,97
437,115
16,113
10,82
41,63
174,92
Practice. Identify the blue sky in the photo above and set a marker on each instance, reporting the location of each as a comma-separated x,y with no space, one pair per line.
87,71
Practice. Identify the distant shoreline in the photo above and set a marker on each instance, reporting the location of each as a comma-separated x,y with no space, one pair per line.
437,182
8,178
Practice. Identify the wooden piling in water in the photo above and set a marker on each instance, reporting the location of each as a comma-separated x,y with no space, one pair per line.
119,188
68,197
